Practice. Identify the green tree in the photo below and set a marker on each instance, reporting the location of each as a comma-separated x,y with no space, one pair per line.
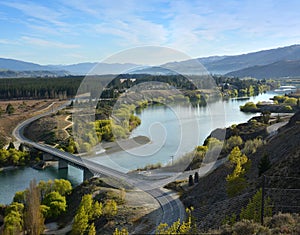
62,186
124,231
253,209
20,197
21,147
10,109
191,180
97,210
236,181
13,221
87,203
196,177
56,203
11,146
249,107
92,229
110,208
178,227
266,116
264,164
81,221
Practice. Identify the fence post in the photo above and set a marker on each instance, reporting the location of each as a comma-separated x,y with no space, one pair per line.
263,200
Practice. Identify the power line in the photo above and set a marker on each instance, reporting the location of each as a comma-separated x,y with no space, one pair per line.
280,176
284,189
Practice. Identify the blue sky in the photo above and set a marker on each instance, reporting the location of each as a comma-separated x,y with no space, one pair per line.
72,31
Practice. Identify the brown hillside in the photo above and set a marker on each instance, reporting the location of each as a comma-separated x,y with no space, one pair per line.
209,197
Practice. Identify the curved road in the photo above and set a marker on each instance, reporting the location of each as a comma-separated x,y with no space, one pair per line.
171,207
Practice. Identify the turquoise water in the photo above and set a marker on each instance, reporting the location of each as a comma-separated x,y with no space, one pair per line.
15,180
173,131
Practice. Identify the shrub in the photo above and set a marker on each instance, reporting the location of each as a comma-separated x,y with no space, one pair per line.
291,101
281,220
248,107
246,227
232,142
212,143
288,108
252,145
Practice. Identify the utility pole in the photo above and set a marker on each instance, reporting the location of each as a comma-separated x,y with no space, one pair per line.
263,200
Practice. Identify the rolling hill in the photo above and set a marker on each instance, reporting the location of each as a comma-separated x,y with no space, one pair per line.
227,64
280,69
278,62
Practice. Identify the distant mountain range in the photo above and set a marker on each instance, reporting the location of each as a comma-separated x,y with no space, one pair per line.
279,62
279,69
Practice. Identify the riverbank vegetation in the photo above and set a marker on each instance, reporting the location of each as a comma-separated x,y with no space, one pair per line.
14,157
94,207
197,91
281,104
236,87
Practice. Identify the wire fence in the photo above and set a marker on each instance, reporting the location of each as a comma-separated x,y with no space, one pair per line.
283,192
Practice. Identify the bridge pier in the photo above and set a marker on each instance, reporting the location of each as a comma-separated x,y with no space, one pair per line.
48,157
62,164
87,174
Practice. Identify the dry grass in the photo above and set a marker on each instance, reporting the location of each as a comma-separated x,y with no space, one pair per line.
24,109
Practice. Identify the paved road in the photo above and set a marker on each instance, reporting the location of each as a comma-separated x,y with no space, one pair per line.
273,129
172,208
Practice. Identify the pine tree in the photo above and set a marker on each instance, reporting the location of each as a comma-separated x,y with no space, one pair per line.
264,164
253,209
11,146
191,181
10,109
196,178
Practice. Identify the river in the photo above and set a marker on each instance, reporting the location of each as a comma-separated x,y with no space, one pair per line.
173,131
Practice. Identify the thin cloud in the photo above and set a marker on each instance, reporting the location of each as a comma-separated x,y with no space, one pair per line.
9,42
47,43
38,12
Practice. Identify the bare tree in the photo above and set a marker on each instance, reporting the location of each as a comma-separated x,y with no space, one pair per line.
33,218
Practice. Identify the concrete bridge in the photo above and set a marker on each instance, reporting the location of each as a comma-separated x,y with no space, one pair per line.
64,164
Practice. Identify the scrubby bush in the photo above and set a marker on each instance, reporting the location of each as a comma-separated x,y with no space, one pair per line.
280,220
291,101
252,145
288,108
248,107
232,142
246,227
